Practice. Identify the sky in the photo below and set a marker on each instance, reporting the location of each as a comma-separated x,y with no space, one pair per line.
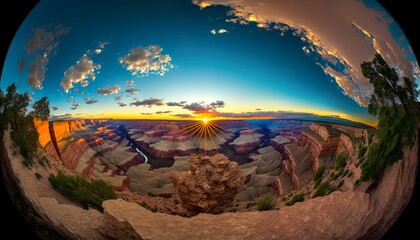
234,59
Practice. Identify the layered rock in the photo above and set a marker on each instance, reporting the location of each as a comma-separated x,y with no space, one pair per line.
247,141
260,174
44,137
211,184
146,180
345,145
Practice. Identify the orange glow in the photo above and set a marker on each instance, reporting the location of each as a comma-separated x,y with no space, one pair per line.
203,132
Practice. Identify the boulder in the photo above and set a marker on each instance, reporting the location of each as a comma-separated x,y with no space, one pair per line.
210,185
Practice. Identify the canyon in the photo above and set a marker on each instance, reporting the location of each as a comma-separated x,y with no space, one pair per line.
280,157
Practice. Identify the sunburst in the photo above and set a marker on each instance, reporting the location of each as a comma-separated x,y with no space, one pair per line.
204,131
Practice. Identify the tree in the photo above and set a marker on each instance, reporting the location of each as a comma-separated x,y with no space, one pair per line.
41,109
388,88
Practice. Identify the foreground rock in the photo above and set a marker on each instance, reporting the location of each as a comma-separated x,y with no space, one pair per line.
210,185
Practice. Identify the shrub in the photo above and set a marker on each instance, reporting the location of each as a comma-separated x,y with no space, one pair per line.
319,173
296,198
265,203
350,174
250,204
176,201
28,162
323,189
38,176
79,190
340,161
361,152
340,184
317,182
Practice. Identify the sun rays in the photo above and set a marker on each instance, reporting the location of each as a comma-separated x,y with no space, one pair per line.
204,133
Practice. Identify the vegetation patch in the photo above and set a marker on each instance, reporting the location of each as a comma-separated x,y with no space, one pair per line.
300,197
340,161
394,102
38,176
79,190
265,203
323,189
319,173
28,162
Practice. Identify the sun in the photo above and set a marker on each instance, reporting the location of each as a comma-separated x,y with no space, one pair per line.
204,131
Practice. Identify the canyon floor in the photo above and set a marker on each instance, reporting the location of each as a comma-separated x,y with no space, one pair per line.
282,158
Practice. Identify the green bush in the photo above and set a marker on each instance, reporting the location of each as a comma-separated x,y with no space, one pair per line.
317,182
265,203
250,204
361,151
340,184
28,162
340,161
319,173
38,176
296,198
394,132
323,189
350,174
79,190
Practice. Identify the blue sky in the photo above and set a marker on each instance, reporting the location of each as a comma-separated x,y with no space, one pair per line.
243,70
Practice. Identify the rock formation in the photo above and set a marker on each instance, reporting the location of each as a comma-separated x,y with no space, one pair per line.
247,141
210,185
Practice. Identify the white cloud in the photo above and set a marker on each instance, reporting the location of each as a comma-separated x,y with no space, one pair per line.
220,31
213,31
42,45
148,102
82,72
144,61
109,90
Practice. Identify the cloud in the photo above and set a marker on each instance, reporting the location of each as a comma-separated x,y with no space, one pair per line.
217,104
75,106
83,71
55,108
118,98
21,66
42,45
101,47
146,114
132,91
122,104
109,90
129,83
60,117
258,109
69,99
98,51
220,31
143,61
148,102
175,104
339,37
163,112
90,101
182,115
201,107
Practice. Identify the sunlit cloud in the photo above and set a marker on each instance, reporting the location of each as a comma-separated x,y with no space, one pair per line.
142,61
338,42
109,90
148,102
82,73
182,115
201,107
129,83
176,104
132,91
220,31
